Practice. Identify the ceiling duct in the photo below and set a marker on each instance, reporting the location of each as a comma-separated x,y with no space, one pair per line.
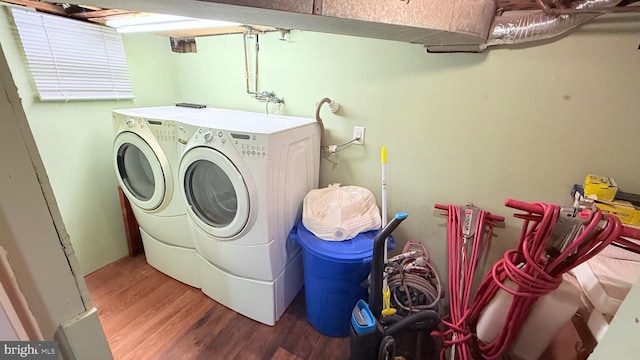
520,27
463,23
428,22
440,25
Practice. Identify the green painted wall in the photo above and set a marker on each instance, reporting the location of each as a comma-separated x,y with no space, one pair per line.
522,123
74,140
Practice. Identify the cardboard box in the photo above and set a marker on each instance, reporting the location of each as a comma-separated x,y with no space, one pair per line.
627,212
600,187
623,210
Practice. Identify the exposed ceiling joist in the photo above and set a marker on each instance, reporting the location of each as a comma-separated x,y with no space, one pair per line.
40,6
90,7
218,31
100,14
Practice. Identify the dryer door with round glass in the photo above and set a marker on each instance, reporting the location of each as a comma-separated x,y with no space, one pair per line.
215,191
140,171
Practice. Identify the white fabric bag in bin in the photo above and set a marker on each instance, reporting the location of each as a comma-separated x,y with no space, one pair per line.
338,213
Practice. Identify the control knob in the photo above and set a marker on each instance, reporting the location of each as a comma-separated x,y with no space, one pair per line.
130,122
208,136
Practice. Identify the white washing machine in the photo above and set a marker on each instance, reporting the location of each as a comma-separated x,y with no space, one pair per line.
145,154
243,181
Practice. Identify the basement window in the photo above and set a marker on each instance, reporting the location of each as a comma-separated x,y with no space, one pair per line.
71,59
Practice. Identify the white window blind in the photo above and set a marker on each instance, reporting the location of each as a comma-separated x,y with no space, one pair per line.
71,59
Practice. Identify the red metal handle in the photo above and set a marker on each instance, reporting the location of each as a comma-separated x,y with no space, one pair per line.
535,209
489,216
631,232
441,207
524,206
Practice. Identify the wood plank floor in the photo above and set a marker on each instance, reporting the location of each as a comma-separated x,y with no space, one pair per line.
148,315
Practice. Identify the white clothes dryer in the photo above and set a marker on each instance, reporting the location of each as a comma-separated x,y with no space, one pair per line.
243,181
145,155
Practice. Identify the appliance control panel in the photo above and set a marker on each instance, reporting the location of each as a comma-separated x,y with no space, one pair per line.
249,146
163,130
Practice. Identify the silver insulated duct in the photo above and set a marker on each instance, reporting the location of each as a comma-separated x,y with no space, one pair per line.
440,25
464,23
520,27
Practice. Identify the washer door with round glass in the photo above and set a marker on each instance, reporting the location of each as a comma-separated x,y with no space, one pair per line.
215,191
140,171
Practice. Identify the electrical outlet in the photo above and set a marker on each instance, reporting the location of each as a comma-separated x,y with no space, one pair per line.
358,133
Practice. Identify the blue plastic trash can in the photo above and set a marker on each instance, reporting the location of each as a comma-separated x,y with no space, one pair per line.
333,276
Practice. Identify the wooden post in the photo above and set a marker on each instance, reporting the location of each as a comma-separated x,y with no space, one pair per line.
131,229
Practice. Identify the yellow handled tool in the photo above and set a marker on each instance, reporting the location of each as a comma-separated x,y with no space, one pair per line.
386,292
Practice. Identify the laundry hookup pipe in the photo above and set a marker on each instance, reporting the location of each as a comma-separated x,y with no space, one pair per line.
246,64
319,120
